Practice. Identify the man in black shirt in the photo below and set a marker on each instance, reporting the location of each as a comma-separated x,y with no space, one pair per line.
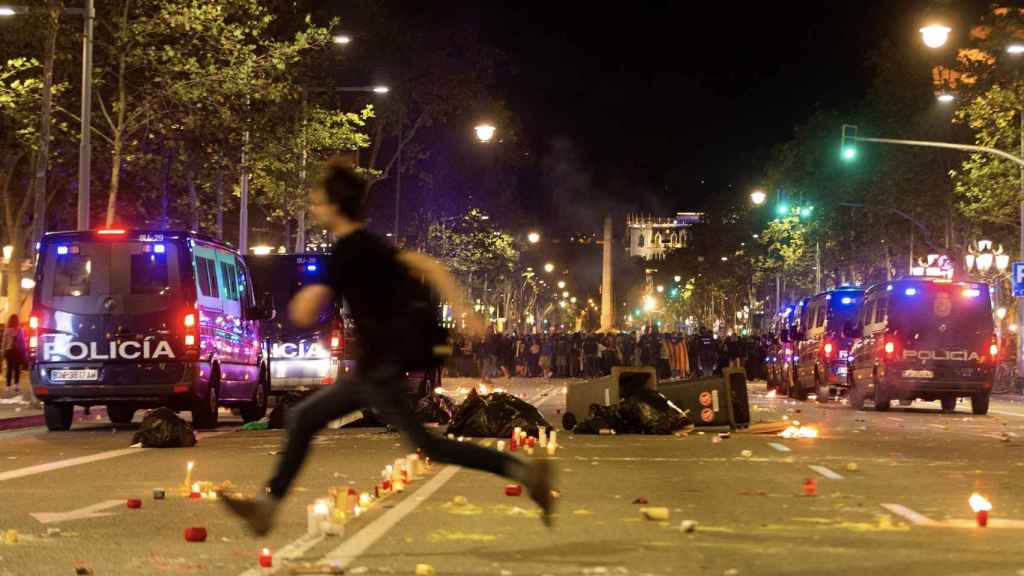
389,295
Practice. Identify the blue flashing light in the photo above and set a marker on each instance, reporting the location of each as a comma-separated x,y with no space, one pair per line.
310,267
159,248
972,292
888,288
846,300
62,250
910,291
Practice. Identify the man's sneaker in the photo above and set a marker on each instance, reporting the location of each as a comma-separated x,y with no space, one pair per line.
258,512
540,479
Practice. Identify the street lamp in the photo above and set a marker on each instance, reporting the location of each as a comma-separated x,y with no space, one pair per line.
1015,49
533,237
561,284
381,89
7,11
549,267
945,97
758,197
935,36
484,132
342,39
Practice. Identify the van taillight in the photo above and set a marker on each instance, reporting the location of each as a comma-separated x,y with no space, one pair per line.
33,322
191,332
33,337
337,338
993,349
890,347
828,349
335,341
190,320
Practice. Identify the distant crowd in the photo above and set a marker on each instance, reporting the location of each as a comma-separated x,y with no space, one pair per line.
589,355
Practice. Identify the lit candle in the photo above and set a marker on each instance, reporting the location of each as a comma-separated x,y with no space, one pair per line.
365,499
188,474
351,500
981,507
500,445
410,465
551,449
195,494
553,438
266,560
316,515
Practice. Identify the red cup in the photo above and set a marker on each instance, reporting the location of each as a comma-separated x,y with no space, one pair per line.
134,503
512,445
982,517
513,490
810,487
266,559
195,534
531,441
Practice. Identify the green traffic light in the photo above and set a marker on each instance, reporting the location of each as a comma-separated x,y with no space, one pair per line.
849,153
782,209
805,212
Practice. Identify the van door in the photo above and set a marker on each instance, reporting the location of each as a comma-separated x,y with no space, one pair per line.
209,306
236,377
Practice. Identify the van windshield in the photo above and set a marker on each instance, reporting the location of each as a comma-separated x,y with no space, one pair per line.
942,315
97,277
283,276
843,307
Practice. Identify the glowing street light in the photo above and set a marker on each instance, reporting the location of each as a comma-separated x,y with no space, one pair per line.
945,97
561,284
533,237
935,36
381,89
758,197
549,267
342,39
484,132
261,250
7,11
677,278
660,288
1015,49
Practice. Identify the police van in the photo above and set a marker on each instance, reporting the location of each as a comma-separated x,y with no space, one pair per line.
301,359
133,319
823,349
927,338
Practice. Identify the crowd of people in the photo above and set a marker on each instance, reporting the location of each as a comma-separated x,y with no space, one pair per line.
589,355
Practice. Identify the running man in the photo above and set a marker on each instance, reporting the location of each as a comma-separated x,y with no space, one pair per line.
388,293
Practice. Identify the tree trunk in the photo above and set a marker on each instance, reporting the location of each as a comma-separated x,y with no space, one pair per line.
218,184
287,233
118,145
165,188
43,151
193,200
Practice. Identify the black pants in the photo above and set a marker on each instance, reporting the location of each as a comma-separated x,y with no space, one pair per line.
13,369
383,388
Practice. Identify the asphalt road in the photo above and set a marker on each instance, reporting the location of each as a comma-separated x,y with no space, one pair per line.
892,492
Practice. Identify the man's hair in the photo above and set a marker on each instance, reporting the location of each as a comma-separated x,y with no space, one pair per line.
345,188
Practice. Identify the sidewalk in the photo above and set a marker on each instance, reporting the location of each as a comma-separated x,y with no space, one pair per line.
17,410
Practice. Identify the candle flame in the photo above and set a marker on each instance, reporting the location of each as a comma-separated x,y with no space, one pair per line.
195,486
979,502
799,432
357,510
191,465
320,508
771,394
483,389
266,551
364,499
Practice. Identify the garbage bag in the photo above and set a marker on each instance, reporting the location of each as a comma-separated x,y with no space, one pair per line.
277,421
600,417
162,428
648,412
435,407
495,415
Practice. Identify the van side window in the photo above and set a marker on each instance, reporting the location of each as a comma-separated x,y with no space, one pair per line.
72,275
243,287
230,280
880,310
206,270
822,312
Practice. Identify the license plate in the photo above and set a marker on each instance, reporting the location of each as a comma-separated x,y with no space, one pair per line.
841,370
79,374
918,374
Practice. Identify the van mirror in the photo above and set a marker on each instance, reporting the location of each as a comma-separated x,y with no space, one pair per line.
265,309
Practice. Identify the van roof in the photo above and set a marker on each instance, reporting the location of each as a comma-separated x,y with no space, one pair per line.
926,281
145,234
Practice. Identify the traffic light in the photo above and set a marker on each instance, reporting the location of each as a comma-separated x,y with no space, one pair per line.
805,212
848,143
782,209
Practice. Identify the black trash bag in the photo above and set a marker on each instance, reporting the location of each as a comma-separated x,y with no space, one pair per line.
435,407
277,420
648,412
495,415
601,417
162,428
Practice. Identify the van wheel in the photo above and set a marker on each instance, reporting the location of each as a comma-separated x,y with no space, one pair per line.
58,416
979,403
948,403
204,410
257,409
882,399
120,413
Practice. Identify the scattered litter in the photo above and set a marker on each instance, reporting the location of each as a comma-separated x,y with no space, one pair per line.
513,490
425,570
724,435
810,487
162,428
195,534
435,407
257,425
52,532
495,415
14,400
10,536
799,432
716,440
83,570
159,494
655,513
852,467
600,417
747,454
688,526
459,536
460,501
640,500
134,503
313,568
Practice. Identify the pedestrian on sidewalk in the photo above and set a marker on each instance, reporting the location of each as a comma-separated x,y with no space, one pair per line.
396,314
14,351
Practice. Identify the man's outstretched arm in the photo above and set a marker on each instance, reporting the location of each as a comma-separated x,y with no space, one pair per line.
440,280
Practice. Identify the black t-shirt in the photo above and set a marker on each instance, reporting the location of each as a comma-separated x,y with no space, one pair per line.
395,314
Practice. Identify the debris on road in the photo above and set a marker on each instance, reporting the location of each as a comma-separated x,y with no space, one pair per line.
257,425
425,570
513,490
435,407
655,513
495,415
640,500
296,568
134,503
747,454
643,412
810,487
688,526
10,536
162,428
773,427
159,494
195,534
799,432
83,570
852,467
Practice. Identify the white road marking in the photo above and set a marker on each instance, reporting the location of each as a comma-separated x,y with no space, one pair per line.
779,447
351,548
98,457
93,511
831,475
1005,413
293,550
915,518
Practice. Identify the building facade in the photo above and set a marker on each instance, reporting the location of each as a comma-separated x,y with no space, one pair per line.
651,238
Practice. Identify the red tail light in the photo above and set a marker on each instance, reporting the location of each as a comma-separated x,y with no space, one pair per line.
993,350
191,333
337,338
33,337
111,232
889,347
828,349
